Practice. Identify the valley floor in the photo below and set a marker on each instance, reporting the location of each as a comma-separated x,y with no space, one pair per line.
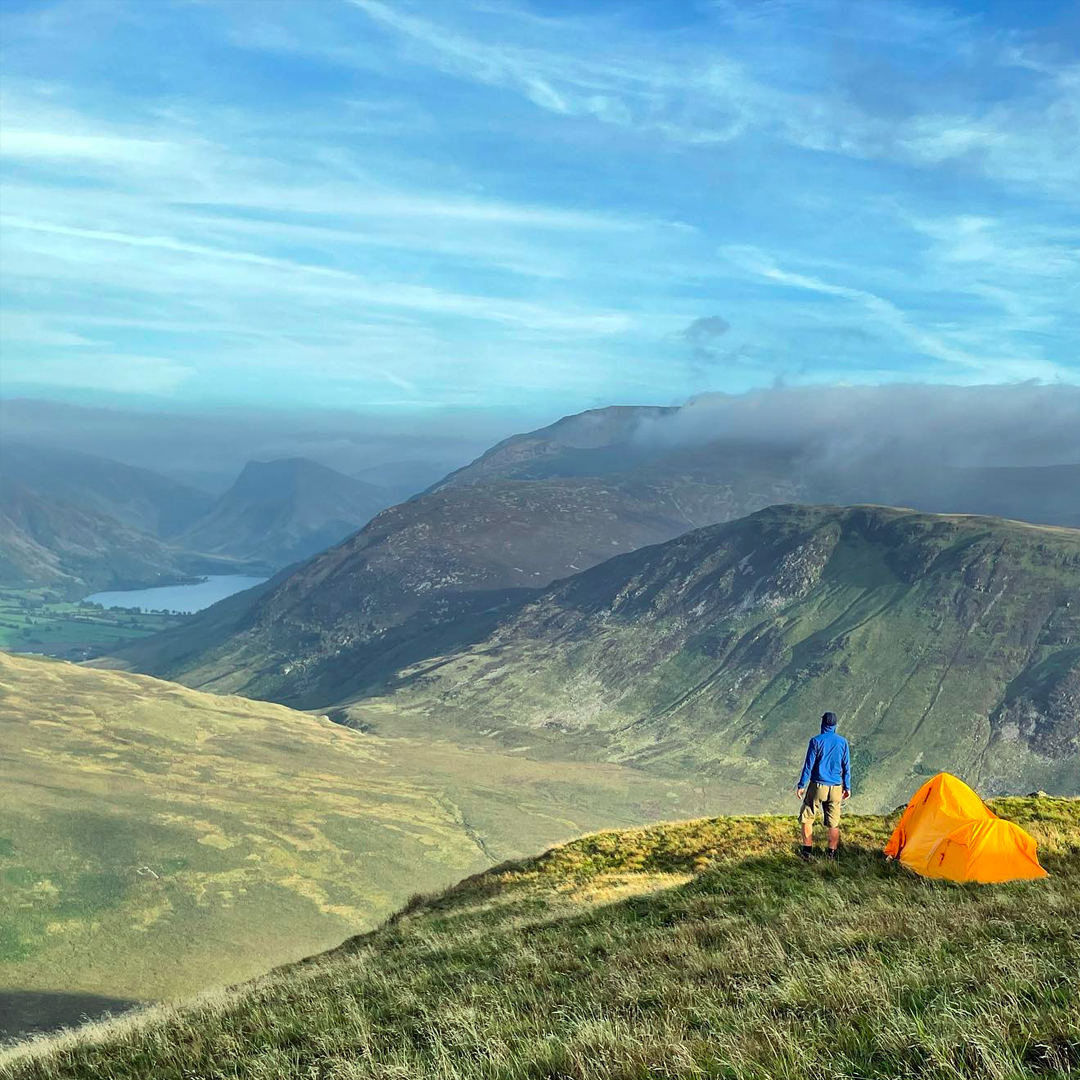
36,621
156,842
700,949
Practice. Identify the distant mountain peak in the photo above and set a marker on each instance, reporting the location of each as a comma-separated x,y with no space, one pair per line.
265,479
286,510
593,441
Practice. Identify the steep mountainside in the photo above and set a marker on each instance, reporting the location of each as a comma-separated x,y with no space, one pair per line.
74,549
942,642
156,841
436,570
694,949
592,443
138,498
429,575
285,511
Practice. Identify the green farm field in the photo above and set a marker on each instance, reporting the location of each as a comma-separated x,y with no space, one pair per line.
156,841
35,621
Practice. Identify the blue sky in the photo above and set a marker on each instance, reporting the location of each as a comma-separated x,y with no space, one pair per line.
397,205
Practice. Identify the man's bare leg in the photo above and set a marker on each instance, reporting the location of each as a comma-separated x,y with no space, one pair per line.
808,834
834,838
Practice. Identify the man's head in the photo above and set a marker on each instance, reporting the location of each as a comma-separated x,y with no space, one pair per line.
828,722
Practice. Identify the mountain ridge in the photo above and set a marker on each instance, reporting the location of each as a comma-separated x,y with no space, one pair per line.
942,642
136,497
75,550
285,511
419,567
432,572
546,452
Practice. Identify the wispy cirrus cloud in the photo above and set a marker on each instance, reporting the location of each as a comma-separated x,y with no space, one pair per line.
469,202
954,346
362,290
709,94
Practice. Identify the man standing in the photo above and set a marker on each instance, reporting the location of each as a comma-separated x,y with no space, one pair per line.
824,784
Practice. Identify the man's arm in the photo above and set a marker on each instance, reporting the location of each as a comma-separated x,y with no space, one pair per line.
807,769
845,769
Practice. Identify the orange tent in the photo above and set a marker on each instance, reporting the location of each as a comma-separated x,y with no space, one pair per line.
947,831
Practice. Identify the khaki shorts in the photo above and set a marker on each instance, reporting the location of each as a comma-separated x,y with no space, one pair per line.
824,797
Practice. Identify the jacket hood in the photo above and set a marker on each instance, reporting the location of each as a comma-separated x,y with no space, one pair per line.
828,722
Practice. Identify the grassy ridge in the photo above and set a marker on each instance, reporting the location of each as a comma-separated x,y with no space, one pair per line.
693,950
944,643
156,841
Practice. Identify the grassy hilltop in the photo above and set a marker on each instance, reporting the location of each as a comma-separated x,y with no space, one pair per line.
156,841
701,949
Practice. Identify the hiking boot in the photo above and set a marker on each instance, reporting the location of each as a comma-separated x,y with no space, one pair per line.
833,854
806,854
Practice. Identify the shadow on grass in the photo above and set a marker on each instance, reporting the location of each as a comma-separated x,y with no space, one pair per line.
33,1012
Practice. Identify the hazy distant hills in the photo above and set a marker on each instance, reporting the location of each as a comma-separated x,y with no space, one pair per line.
140,498
538,506
77,523
74,550
942,642
74,523
284,511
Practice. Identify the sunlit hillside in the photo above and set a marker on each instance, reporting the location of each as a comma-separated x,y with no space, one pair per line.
689,950
156,841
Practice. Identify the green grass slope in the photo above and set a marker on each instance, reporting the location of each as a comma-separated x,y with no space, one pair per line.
156,841
702,949
942,642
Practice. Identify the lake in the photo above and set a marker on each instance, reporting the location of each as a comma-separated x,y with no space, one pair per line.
185,598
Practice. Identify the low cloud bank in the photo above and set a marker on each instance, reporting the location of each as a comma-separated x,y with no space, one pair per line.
900,426
899,431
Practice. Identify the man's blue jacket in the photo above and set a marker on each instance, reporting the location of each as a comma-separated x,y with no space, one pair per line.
828,760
